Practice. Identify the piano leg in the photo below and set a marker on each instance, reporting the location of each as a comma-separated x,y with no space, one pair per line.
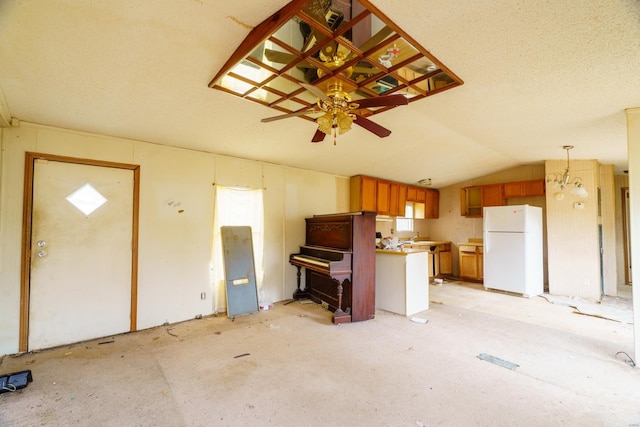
339,316
298,293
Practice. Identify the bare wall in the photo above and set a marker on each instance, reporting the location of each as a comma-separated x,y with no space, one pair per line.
174,248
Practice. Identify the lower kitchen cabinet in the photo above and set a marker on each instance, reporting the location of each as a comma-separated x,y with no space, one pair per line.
445,262
471,261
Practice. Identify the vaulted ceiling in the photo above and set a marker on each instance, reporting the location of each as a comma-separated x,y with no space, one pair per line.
537,75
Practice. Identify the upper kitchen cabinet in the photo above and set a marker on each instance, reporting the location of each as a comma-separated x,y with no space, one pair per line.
383,197
390,198
432,203
416,194
473,199
397,199
534,187
492,195
363,194
426,202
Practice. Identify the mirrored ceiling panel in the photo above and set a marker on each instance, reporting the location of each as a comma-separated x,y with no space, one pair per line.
393,52
291,105
417,70
264,96
307,97
263,52
283,85
299,35
330,43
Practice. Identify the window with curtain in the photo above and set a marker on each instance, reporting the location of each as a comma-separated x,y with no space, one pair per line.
234,206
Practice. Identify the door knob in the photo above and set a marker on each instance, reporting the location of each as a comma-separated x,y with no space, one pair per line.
42,254
41,244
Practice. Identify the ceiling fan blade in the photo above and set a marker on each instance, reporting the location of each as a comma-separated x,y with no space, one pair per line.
318,136
382,101
377,38
285,58
315,90
365,70
286,116
372,126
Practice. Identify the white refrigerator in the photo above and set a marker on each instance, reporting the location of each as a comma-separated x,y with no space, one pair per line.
513,249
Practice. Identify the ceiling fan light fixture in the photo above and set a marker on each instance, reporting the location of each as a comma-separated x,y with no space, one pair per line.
344,122
325,123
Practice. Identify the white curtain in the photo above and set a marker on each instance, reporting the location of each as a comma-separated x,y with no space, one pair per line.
235,206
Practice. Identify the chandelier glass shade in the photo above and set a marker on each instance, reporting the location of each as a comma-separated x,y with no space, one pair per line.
564,180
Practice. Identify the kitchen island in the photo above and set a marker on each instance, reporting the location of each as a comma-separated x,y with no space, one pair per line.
402,280
439,256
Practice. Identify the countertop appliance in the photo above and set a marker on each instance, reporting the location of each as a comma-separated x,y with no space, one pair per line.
513,249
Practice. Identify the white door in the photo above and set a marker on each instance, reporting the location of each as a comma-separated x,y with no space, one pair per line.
80,273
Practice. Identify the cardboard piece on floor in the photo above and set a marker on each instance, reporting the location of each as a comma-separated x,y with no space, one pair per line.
239,270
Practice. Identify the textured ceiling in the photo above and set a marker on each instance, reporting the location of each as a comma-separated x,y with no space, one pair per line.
537,75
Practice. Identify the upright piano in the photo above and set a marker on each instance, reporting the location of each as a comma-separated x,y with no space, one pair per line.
339,258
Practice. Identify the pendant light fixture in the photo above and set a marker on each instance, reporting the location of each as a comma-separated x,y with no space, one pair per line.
564,180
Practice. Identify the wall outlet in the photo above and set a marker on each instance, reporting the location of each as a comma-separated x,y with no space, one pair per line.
203,295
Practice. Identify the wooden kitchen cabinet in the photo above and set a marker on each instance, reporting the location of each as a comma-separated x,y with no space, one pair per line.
416,194
397,199
534,187
426,201
432,203
363,193
445,262
412,193
492,195
471,261
473,199
382,197
390,198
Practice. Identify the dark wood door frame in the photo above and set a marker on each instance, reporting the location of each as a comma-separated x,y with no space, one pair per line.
27,213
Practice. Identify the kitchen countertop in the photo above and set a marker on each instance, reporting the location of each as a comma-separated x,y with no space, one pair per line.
428,243
402,251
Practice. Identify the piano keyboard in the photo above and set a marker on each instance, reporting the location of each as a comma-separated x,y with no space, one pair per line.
311,260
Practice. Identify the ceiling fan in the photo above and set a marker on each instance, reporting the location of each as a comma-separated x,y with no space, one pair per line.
339,112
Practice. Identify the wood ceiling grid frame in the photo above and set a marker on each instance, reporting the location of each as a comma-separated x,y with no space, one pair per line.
296,10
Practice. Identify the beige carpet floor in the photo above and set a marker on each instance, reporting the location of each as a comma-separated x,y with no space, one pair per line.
290,367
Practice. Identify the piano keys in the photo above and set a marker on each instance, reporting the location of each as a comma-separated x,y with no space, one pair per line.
339,263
